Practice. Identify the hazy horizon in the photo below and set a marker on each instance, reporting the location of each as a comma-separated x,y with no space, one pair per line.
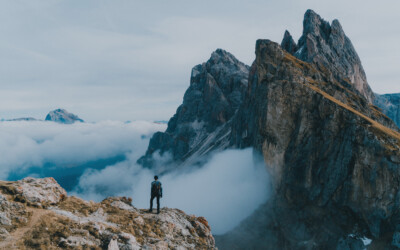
128,60
98,160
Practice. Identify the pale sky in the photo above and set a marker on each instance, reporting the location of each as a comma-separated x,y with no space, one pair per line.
131,60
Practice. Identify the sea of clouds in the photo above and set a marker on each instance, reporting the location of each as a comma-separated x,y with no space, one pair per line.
96,160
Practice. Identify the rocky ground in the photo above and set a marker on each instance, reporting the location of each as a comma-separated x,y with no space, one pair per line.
38,214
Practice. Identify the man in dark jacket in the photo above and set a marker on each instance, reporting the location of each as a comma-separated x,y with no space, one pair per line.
156,192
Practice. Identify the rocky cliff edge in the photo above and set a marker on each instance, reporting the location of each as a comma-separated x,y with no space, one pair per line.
38,214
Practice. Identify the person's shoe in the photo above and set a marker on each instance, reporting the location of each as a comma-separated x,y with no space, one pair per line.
150,210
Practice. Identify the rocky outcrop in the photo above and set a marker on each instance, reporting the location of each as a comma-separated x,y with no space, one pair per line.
334,169
288,43
37,192
390,106
62,116
37,214
334,157
201,123
327,46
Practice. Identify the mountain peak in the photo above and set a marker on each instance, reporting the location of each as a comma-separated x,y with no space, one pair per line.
288,43
62,116
216,91
224,57
327,46
314,24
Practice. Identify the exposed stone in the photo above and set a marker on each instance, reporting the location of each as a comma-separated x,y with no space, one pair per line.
390,105
3,233
73,223
201,123
4,220
333,156
62,116
37,192
328,160
396,240
350,243
76,241
113,245
288,43
329,48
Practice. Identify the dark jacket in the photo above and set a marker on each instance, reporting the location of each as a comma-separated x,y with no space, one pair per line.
156,188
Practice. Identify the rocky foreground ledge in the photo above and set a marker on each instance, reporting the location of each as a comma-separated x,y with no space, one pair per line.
38,214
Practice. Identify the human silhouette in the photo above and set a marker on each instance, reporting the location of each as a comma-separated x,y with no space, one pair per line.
156,192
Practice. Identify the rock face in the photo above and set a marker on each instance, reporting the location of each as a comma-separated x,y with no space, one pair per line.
37,214
38,192
334,169
390,105
62,116
288,43
333,157
202,122
327,46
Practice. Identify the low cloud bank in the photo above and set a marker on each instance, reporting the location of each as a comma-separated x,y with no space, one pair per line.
39,148
94,161
226,190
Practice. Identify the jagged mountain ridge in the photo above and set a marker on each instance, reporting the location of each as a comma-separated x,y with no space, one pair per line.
57,115
202,123
333,156
325,159
194,132
38,214
327,46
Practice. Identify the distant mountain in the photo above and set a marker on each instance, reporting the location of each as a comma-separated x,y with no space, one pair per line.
24,119
390,105
333,157
62,116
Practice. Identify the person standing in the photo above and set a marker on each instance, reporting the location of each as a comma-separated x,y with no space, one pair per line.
156,192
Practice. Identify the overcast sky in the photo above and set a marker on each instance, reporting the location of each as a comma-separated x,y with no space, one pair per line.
131,60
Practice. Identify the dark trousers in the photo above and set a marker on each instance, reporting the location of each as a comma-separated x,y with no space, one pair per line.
158,202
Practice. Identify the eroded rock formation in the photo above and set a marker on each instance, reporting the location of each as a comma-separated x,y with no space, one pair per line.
335,170
334,157
38,214
202,123
327,46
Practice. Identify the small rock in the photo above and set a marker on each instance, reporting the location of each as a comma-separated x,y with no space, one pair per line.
396,239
